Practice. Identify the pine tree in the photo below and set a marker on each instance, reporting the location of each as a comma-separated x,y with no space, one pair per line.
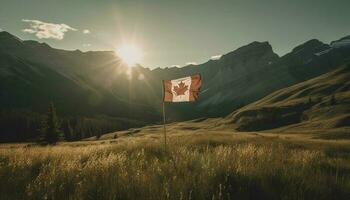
69,131
50,132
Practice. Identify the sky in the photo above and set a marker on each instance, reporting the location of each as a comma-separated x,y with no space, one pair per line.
173,33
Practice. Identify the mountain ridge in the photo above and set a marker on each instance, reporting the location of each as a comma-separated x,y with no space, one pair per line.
94,82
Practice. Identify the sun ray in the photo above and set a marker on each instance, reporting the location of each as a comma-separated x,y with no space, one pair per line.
130,54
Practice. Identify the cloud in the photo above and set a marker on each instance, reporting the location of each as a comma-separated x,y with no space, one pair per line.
86,45
0,29
191,63
216,57
44,30
86,31
28,30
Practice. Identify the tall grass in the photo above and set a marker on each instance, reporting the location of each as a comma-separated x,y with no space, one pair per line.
142,170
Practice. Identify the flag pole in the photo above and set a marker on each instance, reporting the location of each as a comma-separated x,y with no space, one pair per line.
164,120
164,128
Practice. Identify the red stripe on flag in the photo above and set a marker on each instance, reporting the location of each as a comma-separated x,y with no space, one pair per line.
196,82
168,95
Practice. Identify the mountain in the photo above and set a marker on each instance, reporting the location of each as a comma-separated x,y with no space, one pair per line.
33,73
316,105
250,73
86,85
318,108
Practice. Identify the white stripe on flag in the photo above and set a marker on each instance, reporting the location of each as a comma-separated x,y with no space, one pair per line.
176,83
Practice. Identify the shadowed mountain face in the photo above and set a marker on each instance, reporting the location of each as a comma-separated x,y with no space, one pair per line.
322,103
33,74
94,83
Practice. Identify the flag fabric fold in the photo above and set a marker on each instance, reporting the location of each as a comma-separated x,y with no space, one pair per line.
184,89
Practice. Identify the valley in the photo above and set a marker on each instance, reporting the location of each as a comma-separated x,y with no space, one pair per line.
95,93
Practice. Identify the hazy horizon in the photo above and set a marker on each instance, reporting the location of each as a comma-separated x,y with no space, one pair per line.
175,33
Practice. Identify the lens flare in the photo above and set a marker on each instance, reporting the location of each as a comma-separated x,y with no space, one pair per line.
130,54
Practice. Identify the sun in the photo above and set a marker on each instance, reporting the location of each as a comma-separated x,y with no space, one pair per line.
130,54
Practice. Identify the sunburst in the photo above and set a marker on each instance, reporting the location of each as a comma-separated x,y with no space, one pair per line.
130,54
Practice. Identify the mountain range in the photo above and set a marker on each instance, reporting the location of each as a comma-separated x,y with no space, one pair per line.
96,84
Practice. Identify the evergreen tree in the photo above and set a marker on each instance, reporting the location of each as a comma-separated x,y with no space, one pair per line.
50,132
69,131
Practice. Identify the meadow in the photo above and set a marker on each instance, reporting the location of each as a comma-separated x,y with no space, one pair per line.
199,166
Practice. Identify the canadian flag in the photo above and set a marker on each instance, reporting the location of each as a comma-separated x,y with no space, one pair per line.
182,89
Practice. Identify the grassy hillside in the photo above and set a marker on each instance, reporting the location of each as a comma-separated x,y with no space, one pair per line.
320,104
201,165
205,158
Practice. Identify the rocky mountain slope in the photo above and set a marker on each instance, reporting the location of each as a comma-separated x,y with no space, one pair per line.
252,72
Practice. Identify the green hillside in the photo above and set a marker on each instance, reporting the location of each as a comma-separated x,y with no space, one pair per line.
319,104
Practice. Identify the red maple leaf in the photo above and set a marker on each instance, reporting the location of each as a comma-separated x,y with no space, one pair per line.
180,89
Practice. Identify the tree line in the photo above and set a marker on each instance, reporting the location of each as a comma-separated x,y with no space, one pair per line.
24,125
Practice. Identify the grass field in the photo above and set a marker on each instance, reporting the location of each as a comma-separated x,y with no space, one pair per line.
197,165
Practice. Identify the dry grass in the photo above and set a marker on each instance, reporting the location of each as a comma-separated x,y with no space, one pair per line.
222,167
